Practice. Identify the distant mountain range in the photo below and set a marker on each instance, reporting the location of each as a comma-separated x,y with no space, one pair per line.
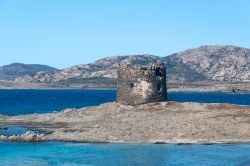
212,62
14,70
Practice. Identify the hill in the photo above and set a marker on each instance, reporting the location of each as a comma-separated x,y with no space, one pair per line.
14,70
213,63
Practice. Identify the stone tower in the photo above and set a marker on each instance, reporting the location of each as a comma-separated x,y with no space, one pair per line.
137,84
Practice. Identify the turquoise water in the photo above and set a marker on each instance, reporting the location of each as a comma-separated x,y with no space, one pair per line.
16,102
71,154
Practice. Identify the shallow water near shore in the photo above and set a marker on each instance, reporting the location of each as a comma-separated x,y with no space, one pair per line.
72,154
17,130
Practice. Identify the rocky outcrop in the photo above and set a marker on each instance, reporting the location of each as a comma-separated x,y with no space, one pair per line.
218,63
29,136
163,122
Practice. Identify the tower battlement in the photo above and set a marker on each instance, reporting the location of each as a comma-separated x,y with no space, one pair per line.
138,84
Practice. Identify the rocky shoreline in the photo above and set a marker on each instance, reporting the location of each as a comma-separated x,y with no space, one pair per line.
163,122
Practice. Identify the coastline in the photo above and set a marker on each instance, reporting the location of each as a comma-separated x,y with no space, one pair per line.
208,87
154,123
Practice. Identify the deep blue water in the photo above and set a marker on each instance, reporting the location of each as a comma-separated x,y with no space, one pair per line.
14,102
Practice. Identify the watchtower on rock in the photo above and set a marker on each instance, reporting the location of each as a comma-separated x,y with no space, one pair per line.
137,84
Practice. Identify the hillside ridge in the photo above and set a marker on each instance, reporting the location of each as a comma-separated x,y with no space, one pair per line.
209,62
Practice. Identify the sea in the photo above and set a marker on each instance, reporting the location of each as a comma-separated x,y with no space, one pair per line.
21,102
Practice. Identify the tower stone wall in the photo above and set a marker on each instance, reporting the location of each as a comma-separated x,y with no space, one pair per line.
137,84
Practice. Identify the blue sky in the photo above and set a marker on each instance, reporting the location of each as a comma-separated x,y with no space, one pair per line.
62,33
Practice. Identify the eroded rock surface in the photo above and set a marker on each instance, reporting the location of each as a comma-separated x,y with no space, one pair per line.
163,122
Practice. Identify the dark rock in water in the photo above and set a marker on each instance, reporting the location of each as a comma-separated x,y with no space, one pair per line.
3,128
235,89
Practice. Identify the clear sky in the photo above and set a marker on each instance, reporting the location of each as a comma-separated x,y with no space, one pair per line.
62,33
